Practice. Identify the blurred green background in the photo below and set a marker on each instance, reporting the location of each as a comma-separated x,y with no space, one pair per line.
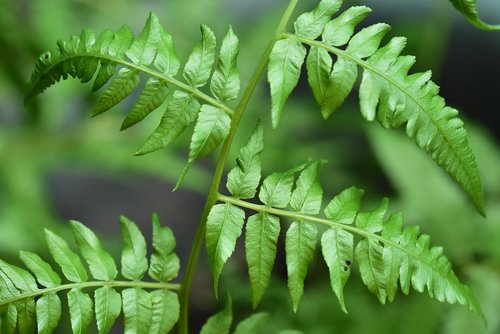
57,164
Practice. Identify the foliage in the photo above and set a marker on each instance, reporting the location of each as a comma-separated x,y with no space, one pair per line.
332,50
468,8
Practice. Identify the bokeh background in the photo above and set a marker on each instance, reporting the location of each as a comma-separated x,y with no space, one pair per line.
57,164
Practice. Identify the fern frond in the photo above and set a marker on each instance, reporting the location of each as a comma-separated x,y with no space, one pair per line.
468,8
25,304
386,253
386,93
152,54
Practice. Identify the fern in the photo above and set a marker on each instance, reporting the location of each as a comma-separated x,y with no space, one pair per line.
387,253
27,304
387,92
153,54
468,8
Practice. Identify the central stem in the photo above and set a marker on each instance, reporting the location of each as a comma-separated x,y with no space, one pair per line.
219,169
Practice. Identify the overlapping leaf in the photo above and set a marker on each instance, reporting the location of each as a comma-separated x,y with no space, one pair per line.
26,306
152,53
387,91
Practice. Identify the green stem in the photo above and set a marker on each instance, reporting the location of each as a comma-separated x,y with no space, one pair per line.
219,169
92,284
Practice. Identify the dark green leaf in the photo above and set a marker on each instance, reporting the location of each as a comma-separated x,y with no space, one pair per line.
101,264
224,226
283,73
133,260
262,231
70,263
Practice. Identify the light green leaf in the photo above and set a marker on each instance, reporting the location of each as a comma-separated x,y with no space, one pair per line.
211,128
44,273
137,310
307,195
21,279
372,221
166,59
243,180
133,260
70,263
262,231
219,323
276,189
107,308
367,41
251,324
337,246
224,226
199,64
371,266
165,311
101,263
181,111
225,84
143,49
311,24
300,243
283,73
338,31
48,313
151,97
26,316
164,263
469,9
125,82
80,310
345,206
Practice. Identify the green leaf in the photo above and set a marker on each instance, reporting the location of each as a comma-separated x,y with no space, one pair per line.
345,206
164,263
165,311
307,195
143,49
276,189
225,84
107,308
80,310
224,226
371,266
151,97
262,231
367,40
101,263
251,324
391,256
243,180
338,31
133,260
372,221
468,8
283,73
199,64
166,59
337,246
311,24
21,279
26,316
70,263
8,319
211,128
219,323
44,273
125,82
48,313
300,243
181,111
137,310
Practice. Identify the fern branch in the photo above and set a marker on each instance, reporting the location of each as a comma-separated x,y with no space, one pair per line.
91,284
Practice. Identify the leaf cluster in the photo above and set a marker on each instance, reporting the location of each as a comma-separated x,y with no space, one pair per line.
28,302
